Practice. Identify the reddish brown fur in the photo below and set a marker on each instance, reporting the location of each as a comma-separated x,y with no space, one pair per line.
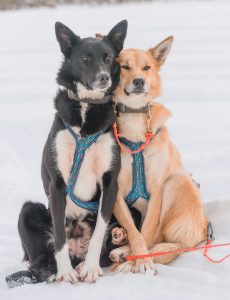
174,216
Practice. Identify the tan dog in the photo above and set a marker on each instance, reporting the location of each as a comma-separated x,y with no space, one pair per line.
173,216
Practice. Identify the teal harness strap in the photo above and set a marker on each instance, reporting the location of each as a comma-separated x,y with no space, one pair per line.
139,189
81,146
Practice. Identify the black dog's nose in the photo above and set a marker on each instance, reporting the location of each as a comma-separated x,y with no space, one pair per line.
103,78
139,82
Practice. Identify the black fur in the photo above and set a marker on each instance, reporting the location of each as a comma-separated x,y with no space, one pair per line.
83,59
36,232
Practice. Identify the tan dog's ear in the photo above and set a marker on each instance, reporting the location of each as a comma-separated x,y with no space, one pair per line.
161,51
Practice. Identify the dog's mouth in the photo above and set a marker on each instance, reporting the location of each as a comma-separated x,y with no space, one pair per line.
95,94
97,87
137,92
102,84
101,87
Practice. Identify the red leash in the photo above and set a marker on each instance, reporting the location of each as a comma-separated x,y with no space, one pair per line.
206,247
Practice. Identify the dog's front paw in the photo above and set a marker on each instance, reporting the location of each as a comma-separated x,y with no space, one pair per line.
116,258
118,255
144,265
125,267
89,273
51,278
70,276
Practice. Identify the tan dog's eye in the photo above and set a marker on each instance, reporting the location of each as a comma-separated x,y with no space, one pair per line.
126,67
146,68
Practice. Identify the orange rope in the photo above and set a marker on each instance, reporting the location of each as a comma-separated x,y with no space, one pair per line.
207,246
148,137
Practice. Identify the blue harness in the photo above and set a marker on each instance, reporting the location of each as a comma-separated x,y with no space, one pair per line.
139,189
81,146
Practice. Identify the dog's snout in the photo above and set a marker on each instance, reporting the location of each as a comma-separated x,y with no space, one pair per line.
102,81
103,78
139,82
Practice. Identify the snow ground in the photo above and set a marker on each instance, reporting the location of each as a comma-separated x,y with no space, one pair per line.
196,81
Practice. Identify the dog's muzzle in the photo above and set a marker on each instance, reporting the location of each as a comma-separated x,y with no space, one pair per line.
102,82
137,87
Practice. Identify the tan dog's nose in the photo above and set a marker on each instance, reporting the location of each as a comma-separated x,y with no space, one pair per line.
139,82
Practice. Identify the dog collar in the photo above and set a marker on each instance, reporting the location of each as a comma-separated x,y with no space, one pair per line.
121,108
103,100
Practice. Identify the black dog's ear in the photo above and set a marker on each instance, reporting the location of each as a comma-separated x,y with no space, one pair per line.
66,38
117,35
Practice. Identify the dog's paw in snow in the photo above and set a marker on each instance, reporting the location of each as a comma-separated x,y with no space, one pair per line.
51,278
70,276
141,266
144,265
89,273
125,267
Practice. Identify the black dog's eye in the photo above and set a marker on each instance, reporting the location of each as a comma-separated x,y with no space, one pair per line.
146,68
85,59
108,60
126,67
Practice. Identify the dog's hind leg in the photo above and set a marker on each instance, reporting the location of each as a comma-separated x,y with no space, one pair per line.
183,223
35,230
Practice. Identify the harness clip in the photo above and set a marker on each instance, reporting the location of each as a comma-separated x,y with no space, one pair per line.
210,235
148,119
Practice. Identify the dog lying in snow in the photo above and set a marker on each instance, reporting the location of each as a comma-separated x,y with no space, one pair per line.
78,235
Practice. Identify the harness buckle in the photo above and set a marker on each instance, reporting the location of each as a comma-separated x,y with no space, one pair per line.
148,119
210,234
115,109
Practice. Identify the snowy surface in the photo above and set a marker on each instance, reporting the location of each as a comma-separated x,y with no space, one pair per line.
196,80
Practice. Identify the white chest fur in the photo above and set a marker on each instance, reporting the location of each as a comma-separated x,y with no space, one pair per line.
97,160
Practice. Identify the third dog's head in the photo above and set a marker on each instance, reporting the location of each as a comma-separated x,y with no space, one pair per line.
139,78
90,68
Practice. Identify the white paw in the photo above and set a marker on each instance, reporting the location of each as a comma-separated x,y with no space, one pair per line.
51,278
125,267
144,265
65,271
89,273
116,256
70,276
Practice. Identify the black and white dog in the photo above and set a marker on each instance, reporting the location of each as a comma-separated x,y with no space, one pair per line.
80,144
